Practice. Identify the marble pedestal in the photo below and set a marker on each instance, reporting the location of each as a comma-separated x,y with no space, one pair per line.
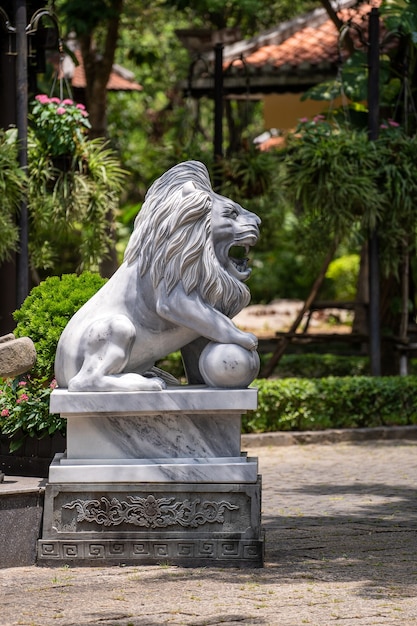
152,477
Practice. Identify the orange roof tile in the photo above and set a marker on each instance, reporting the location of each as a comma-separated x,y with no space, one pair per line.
310,45
116,82
293,56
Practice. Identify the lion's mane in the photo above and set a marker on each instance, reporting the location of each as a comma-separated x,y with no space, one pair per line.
172,239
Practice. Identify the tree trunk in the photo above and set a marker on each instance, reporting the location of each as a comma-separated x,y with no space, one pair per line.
390,324
360,321
338,23
97,71
405,293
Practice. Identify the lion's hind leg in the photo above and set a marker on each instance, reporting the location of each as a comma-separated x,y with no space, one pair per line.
106,348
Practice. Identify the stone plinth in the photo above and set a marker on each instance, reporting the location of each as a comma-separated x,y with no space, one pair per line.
153,476
143,523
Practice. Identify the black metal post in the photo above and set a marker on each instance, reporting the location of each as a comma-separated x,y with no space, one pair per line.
22,131
218,113
373,125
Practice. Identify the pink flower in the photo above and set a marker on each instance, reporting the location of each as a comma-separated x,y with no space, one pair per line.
318,118
383,126
303,120
5,413
42,98
56,100
393,123
81,107
84,113
22,398
61,111
67,101
22,383
53,384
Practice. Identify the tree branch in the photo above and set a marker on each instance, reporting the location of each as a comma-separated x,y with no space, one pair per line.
283,343
338,23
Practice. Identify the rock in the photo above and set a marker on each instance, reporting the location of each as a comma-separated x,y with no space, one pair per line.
17,356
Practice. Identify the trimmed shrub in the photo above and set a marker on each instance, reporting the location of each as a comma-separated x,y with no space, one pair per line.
47,310
345,402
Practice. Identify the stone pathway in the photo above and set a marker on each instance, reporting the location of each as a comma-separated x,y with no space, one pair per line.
341,548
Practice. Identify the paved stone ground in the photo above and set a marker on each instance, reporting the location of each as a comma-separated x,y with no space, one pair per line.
341,548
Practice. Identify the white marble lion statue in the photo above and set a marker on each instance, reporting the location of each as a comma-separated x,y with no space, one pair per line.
176,289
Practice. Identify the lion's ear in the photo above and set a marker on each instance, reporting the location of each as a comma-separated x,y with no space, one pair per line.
188,188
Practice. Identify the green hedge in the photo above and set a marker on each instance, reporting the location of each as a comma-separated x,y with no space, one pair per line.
333,402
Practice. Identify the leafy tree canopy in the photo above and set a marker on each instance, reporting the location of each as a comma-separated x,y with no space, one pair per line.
249,15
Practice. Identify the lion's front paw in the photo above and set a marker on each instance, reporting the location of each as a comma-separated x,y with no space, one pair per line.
116,382
143,382
250,341
154,384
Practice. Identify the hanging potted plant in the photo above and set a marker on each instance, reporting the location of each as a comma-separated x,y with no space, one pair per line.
59,126
74,185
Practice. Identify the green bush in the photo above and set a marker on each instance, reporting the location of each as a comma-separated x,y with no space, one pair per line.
24,401
47,310
345,402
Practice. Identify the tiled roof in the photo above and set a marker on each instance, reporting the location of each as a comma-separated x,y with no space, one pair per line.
292,57
120,79
313,46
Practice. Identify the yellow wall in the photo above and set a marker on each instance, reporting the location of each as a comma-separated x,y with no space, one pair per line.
284,110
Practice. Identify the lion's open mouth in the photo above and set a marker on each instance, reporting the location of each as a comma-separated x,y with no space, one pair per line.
238,257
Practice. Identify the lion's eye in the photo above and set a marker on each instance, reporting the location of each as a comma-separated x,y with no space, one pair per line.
233,213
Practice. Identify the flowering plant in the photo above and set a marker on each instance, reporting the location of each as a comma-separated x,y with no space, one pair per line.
59,125
24,409
313,129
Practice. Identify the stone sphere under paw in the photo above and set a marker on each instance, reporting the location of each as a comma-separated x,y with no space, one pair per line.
228,365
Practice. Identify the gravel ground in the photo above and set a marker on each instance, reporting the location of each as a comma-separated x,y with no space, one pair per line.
341,548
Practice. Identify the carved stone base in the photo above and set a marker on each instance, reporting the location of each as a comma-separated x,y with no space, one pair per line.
180,552
151,477
189,525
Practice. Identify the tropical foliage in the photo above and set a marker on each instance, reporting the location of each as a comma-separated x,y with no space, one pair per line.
345,184
72,186
11,190
69,203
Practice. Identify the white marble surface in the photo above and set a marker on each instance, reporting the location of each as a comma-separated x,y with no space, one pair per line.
177,285
153,436
185,398
231,470
184,435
